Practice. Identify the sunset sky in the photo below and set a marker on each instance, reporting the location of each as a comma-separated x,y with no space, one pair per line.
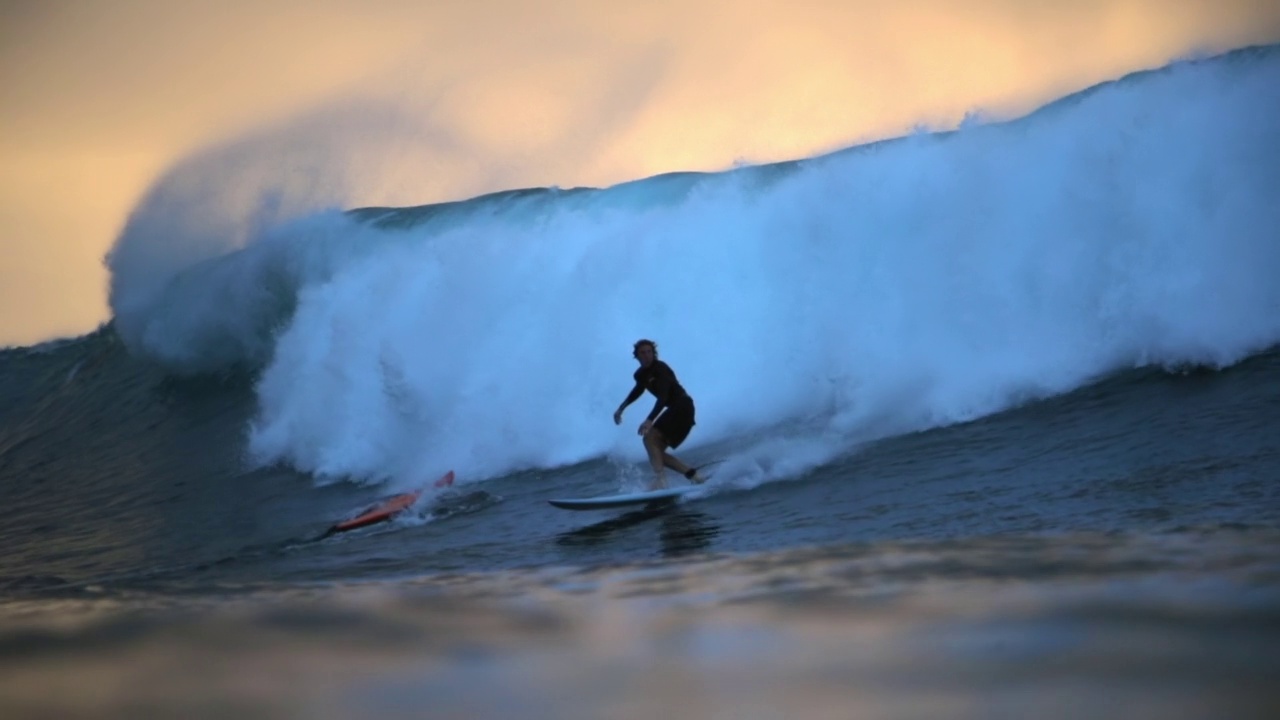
97,99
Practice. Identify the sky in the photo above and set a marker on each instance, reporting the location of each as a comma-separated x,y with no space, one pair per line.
459,98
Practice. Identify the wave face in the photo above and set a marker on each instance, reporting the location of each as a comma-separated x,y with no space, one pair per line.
881,289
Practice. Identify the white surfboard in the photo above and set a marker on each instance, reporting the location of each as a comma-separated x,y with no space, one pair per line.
605,502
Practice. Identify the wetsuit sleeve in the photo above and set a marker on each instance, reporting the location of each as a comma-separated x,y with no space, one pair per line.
634,395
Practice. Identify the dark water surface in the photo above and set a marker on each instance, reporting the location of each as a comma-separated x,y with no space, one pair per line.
1108,553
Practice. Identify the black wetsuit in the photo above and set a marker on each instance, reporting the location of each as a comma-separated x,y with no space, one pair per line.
660,380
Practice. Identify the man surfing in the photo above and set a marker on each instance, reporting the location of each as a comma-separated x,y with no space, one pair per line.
661,430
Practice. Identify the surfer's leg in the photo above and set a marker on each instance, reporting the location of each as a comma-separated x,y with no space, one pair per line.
655,444
675,424
676,464
690,472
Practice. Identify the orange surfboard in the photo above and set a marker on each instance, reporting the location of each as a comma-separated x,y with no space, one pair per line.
388,508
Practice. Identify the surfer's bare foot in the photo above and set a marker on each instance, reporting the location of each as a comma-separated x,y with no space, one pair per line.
694,477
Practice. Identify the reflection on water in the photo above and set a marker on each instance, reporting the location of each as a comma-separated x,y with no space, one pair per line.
1177,626
603,531
681,532
685,533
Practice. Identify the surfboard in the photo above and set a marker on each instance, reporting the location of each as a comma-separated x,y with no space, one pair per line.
387,509
605,502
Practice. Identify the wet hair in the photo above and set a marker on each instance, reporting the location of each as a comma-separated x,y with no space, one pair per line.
635,349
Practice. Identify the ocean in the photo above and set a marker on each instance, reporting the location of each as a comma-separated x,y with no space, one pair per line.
993,411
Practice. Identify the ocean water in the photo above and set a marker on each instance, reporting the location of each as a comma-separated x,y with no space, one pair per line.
995,413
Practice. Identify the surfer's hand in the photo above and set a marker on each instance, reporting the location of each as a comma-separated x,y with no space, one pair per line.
644,427
617,417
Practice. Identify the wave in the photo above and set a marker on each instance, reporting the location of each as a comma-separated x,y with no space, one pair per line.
884,288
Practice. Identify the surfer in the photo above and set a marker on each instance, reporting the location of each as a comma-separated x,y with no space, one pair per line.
661,430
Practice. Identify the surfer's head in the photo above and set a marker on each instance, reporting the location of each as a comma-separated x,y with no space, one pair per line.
646,351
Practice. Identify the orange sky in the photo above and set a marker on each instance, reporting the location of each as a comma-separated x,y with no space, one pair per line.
97,99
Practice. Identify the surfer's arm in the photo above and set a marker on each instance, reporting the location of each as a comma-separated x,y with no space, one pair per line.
662,391
658,407
631,397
